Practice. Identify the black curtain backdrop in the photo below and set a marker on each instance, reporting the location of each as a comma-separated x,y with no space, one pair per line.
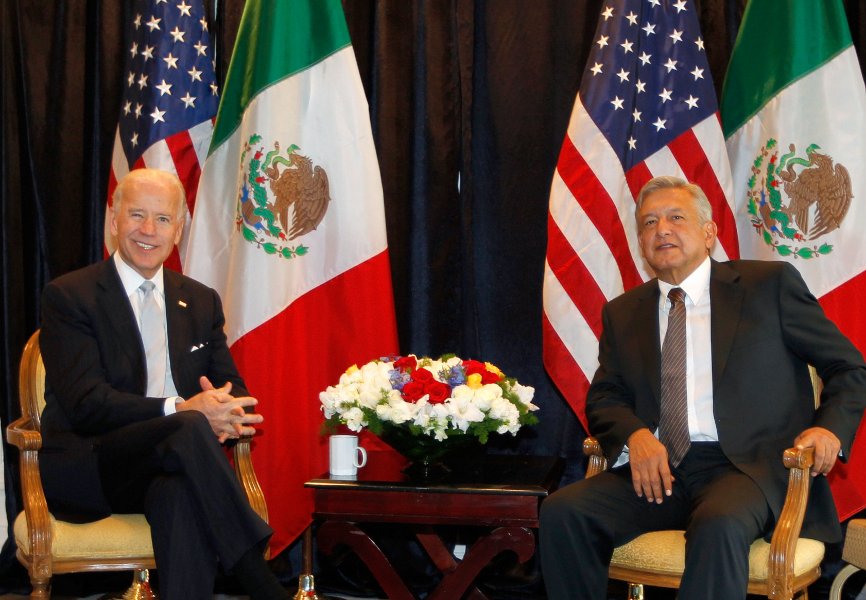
469,101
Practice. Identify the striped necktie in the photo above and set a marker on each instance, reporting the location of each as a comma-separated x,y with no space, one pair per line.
674,422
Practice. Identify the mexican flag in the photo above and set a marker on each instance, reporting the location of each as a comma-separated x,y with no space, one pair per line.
794,117
289,228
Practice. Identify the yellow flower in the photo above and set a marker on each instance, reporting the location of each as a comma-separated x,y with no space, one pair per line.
351,369
474,381
494,369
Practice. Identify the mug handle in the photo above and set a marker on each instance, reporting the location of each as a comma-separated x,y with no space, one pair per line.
362,455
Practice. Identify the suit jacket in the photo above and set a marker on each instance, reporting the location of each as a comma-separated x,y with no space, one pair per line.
96,371
766,328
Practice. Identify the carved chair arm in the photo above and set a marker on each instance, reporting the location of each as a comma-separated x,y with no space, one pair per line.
597,461
24,434
784,541
246,474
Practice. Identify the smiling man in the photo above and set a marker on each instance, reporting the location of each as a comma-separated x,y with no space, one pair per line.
702,384
133,421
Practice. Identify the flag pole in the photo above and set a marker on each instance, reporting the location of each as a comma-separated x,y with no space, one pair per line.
306,581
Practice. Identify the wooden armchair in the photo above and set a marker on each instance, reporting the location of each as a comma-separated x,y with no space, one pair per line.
780,570
47,545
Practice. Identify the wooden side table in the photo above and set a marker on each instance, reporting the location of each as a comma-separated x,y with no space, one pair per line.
500,494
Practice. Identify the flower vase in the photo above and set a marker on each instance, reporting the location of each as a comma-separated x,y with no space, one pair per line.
428,457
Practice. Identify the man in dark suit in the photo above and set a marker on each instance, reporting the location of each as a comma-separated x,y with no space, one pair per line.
709,463
133,421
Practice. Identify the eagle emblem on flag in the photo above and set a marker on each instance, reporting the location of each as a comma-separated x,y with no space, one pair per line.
282,196
818,197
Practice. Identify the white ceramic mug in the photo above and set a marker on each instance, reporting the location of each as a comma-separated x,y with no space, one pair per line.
346,455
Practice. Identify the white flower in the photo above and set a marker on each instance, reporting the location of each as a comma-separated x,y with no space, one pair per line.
368,392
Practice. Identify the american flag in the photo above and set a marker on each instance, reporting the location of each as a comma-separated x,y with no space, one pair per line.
170,97
646,107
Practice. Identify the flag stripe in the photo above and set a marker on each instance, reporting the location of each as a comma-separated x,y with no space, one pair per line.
561,366
599,207
574,277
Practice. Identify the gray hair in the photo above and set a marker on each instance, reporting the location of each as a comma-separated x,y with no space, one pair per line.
666,182
155,175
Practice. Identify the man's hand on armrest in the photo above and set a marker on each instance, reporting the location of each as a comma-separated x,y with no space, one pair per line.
826,445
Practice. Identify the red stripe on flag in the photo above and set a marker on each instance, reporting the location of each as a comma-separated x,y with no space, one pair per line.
636,177
563,369
574,277
186,164
690,155
599,207
847,479
347,320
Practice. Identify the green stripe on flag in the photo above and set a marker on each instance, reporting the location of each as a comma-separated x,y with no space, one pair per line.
298,34
778,43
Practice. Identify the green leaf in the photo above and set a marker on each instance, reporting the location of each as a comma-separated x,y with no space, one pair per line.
752,208
269,248
825,249
249,234
805,252
771,143
301,250
784,250
287,253
767,237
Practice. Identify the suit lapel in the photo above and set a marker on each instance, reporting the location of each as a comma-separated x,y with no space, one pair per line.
115,305
726,296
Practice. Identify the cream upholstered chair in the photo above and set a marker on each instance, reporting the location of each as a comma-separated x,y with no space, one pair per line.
47,545
853,553
779,570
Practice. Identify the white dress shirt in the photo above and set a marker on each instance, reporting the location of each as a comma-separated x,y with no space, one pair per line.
699,353
131,281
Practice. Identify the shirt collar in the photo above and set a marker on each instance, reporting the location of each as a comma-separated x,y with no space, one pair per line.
132,279
695,285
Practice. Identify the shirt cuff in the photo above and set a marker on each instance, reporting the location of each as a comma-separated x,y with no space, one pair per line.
170,405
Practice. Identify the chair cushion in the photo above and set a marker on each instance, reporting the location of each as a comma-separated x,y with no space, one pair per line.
664,552
116,536
855,543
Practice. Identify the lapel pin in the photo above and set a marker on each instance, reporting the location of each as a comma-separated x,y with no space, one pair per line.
181,303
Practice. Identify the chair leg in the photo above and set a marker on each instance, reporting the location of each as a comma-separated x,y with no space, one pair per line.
40,589
140,588
635,591
839,581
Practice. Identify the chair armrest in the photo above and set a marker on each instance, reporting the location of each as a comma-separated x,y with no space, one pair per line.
781,567
597,461
24,434
243,464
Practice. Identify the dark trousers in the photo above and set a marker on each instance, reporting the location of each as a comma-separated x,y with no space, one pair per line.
174,471
721,509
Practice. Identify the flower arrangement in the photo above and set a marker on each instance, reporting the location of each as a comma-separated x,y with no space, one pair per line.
433,398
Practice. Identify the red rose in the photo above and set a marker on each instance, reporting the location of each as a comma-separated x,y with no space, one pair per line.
473,366
439,392
412,391
489,377
406,363
422,375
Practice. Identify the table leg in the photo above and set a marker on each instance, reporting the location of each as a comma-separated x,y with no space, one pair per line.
459,576
334,533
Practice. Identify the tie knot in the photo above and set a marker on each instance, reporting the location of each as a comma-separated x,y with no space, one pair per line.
676,295
147,286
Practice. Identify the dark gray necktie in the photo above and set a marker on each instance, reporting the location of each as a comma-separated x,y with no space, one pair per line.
153,338
674,422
